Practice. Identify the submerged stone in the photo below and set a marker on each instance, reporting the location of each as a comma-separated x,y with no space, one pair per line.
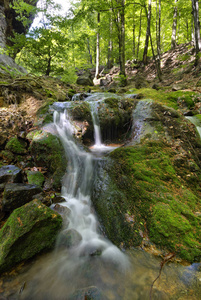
18,194
90,293
69,238
29,230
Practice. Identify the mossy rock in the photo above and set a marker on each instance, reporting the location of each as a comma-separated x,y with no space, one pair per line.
35,177
48,152
29,230
141,190
17,146
115,116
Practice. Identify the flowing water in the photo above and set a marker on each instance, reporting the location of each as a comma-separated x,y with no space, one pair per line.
92,261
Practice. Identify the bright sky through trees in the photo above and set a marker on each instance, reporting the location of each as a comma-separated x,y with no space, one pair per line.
65,6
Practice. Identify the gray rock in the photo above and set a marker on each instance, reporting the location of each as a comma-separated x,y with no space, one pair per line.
18,194
10,173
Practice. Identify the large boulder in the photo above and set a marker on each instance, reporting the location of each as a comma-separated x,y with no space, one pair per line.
47,151
29,230
18,194
85,79
148,191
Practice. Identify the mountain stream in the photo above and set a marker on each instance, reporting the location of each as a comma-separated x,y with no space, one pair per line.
92,263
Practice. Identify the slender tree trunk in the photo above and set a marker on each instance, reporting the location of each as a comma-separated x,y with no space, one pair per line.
158,39
48,69
110,47
89,50
192,32
122,39
98,48
147,32
139,35
195,8
134,31
174,27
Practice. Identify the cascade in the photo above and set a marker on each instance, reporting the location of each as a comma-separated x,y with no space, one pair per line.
76,190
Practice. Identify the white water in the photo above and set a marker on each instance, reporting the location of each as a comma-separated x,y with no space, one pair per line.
76,190
94,101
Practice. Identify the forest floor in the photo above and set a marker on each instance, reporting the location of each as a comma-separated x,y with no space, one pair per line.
178,71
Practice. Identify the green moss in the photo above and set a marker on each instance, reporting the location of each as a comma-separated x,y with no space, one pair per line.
16,146
154,195
29,230
81,111
44,109
48,152
35,177
170,98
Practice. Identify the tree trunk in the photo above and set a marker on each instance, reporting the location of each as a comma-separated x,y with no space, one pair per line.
174,27
110,48
134,31
195,8
158,39
89,50
139,35
98,48
122,39
147,32
48,69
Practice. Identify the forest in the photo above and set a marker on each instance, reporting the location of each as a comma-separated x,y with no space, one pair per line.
100,149
108,33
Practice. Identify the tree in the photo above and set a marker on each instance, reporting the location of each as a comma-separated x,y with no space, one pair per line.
195,9
174,27
148,13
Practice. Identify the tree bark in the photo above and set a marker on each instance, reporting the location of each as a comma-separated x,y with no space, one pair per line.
139,35
195,8
98,48
110,47
174,27
147,32
89,50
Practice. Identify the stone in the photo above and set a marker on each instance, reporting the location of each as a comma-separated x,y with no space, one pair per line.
28,230
47,151
85,79
11,174
17,194
69,238
35,177
90,293
17,146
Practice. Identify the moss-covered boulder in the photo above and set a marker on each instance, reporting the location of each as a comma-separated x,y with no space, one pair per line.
29,230
149,190
35,177
47,151
115,117
144,195
17,146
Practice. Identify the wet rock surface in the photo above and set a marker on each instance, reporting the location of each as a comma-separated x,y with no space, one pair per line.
10,173
17,194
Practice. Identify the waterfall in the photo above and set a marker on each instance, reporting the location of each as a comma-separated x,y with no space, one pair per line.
76,189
